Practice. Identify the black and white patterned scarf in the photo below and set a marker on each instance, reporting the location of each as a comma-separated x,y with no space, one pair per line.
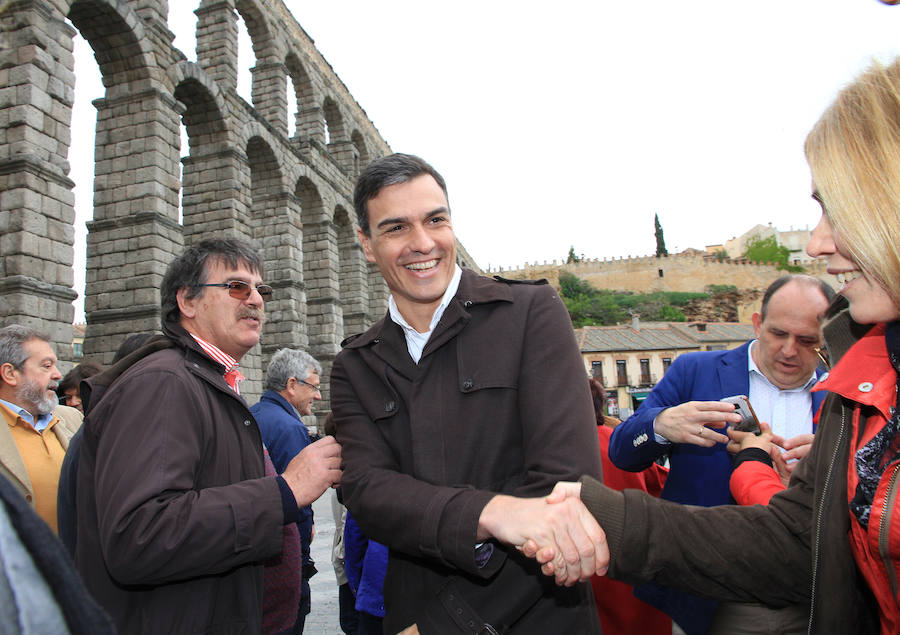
884,448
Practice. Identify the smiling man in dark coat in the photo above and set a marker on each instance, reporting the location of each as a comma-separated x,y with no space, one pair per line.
471,390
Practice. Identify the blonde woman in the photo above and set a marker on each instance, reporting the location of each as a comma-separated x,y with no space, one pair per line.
832,538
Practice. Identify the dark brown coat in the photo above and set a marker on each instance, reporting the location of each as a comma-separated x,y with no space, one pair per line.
174,511
793,550
497,404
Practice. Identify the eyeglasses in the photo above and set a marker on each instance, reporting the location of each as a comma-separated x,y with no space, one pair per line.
241,290
313,386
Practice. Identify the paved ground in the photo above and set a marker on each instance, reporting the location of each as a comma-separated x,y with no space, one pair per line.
323,619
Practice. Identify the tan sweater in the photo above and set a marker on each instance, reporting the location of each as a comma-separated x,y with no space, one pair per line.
42,454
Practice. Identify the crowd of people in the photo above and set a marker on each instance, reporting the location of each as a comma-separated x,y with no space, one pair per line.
482,485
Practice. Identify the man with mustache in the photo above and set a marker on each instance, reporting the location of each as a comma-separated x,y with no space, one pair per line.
34,441
175,512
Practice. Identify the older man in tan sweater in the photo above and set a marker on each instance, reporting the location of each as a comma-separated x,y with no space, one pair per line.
34,440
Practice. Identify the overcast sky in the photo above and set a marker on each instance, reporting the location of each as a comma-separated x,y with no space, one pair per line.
566,123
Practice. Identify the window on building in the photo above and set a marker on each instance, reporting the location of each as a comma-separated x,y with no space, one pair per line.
597,370
621,375
645,372
660,271
77,350
667,361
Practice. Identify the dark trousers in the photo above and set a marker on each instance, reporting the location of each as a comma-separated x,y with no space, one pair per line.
348,616
369,624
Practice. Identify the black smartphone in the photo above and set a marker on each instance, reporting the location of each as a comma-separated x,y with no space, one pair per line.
749,422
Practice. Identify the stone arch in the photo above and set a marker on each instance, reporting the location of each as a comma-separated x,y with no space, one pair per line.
210,171
307,110
340,146
269,90
116,34
267,198
135,230
320,272
360,152
302,219
334,121
353,278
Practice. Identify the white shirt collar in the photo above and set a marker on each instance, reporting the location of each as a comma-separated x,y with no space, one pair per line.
38,424
415,341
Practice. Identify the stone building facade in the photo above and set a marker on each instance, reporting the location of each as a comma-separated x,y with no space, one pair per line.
629,359
244,175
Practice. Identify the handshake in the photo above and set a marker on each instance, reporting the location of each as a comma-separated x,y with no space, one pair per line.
557,530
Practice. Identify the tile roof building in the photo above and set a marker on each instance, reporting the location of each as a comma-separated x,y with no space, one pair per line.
629,359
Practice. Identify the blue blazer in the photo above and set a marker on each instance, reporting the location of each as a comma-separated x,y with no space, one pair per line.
698,475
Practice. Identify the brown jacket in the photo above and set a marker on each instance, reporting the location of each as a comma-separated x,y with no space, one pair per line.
174,512
497,404
789,551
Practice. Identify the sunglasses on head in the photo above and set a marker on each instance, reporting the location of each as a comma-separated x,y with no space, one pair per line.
241,290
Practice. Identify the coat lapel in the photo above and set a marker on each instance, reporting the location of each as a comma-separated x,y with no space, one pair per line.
732,372
10,458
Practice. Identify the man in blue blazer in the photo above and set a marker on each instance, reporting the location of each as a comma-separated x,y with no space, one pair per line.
292,385
683,419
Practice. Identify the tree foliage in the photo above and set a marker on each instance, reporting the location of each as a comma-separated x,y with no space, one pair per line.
588,306
660,241
572,257
768,250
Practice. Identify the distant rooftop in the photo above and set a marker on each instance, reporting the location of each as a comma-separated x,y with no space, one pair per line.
648,336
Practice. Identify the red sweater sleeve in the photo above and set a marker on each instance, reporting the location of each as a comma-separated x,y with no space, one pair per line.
754,483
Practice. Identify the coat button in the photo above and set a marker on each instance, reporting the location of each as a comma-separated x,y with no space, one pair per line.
468,383
467,303
246,422
866,386
389,406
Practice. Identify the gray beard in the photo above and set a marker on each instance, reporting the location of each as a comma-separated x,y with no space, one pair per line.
31,392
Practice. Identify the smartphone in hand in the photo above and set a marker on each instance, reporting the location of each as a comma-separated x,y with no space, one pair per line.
749,422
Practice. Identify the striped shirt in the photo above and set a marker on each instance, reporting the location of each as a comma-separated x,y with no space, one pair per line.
228,362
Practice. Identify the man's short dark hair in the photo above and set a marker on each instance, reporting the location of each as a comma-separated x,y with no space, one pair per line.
823,286
381,173
189,270
73,377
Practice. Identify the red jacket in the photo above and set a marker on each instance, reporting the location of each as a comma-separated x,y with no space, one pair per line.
620,612
865,376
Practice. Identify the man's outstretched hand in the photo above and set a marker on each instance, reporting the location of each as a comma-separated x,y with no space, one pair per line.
557,528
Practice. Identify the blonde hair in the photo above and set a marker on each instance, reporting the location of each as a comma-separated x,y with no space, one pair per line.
854,156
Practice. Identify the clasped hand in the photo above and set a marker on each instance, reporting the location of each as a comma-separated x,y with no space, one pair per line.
557,530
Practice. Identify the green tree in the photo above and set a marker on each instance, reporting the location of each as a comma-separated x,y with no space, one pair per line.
768,250
660,241
587,305
572,257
